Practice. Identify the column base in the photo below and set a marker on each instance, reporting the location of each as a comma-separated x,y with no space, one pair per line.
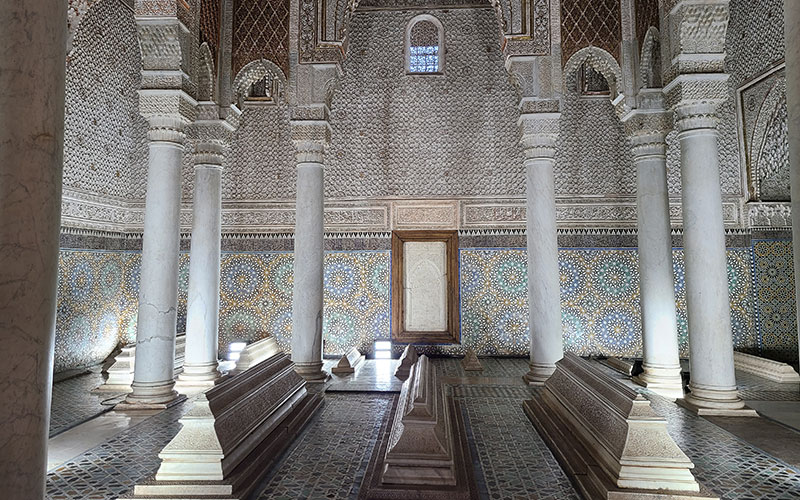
196,377
151,396
715,403
538,374
311,372
666,382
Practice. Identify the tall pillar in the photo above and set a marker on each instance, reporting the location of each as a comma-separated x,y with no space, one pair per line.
202,319
712,385
662,370
33,42
158,283
310,137
792,33
539,135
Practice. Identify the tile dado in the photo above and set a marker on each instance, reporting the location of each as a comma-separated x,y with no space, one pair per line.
98,296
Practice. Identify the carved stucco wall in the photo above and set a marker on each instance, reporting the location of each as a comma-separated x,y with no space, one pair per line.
104,138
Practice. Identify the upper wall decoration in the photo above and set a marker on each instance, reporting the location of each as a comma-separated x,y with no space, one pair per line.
261,31
646,17
260,80
323,29
210,14
596,23
425,49
763,136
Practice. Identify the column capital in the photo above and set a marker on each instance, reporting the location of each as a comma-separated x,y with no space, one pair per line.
166,128
539,134
696,115
311,132
647,130
211,135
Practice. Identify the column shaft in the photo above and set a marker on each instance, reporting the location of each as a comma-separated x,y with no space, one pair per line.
158,285
32,55
308,267
202,321
792,33
544,288
713,381
662,371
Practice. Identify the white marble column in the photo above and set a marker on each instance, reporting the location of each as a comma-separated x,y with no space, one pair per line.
309,250
33,39
792,33
544,287
158,284
662,370
202,318
712,381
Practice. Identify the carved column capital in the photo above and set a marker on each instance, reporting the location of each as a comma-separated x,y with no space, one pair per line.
539,134
696,115
166,128
311,132
647,130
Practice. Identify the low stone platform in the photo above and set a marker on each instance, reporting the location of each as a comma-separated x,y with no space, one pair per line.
233,434
349,362
423,452
607,437
407,360
120,372
765,368
255,353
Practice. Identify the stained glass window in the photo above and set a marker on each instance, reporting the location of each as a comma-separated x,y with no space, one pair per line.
424,47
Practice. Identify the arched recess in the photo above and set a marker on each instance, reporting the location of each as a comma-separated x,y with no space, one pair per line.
206,88
601,61
437,38
252,72
650,69
769,148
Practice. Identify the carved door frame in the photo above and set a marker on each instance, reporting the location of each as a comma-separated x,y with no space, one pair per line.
399,334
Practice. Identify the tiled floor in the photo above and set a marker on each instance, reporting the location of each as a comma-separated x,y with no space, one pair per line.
73,403
330,457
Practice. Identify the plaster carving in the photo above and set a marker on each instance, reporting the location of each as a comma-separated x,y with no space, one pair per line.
257,70
601,61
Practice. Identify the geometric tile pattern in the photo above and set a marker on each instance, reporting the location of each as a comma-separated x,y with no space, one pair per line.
114,467
774,290
599,301
329,459
73,404
725,464
596,23
261,32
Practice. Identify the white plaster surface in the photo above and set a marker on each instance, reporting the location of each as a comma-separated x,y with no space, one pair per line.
425,286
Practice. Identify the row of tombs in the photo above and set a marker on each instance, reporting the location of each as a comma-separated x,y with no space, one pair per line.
98,301
604,434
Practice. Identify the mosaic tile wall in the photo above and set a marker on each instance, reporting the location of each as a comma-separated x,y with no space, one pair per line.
599,291
599,301
774,291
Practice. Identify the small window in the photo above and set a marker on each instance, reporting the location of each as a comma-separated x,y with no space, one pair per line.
424,45
592,82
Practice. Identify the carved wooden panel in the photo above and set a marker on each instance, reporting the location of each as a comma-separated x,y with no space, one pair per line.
596,23
425,287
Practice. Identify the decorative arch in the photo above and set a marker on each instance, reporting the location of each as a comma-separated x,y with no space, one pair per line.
769,148
261,69
205,75
650,60
438,38
602,62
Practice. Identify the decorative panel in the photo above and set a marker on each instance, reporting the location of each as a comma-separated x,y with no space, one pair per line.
596,23
646,16
777,309
210,14
261,31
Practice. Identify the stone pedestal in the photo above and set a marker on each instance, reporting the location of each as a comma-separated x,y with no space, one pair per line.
765,368
407,360
310,137
420,450
607,437
349,362
713,381
255,353
471,363
662,370
539,134
158,290
33,36
234,432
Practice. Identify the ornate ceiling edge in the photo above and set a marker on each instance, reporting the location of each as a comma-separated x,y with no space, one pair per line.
82,211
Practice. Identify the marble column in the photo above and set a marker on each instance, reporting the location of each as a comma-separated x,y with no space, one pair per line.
158,283
792,33
662,370
544,286
33,42
713,381
308,250
202,318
